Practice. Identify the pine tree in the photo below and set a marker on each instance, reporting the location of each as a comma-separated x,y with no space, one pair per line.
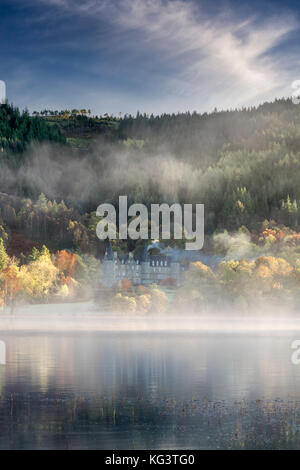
42,203
45,252
35,254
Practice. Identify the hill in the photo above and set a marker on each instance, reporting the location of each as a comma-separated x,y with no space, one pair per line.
81,130
242,164
18,129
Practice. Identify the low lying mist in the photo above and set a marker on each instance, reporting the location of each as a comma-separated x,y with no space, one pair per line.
85,318
242,165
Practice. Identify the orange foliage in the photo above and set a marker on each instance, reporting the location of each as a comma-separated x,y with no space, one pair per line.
169,281
275,233
289,237
66,263
277,266
125,284
263,272
142,289
293,239
65,280
12,283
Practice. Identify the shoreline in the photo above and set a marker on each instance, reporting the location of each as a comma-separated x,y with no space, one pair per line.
100,322
85,317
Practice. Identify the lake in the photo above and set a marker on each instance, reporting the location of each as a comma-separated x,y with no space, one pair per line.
159,390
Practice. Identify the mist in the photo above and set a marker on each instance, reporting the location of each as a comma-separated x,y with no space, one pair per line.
234,163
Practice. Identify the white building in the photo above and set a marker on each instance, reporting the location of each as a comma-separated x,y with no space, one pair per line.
147,269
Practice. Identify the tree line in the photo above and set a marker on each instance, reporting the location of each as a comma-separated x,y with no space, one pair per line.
243,165
18,129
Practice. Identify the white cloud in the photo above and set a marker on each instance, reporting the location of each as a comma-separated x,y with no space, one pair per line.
222,61
229,57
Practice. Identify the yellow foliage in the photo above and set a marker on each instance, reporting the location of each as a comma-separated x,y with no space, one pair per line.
263,272
39,277
143,303
199,270
278,266
233,269
124,304
240,206
270,239
228,269
246,267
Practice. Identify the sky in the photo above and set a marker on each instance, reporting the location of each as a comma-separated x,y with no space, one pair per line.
154,56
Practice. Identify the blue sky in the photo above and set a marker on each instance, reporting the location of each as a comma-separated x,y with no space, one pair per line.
149,55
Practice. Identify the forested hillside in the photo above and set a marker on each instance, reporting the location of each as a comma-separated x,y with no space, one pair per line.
17,129
243,165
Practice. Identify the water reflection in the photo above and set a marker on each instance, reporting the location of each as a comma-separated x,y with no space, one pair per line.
125,390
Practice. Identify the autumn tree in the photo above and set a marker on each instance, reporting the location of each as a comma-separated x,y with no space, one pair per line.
39,278
12,283
124,304
66,263
3,255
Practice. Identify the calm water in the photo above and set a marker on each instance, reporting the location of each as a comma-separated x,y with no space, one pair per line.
135,391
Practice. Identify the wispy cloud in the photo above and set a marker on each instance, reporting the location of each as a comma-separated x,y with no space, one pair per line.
225,60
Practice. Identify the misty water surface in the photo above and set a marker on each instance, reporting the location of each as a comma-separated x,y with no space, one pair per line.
149,390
